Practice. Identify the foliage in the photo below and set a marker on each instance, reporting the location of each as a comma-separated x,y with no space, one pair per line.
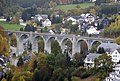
55,48
58,75
41,45
13,40
79,59
29,28
105,65
3,79
75,11
101,50
114,29
94,47
20,61
4,46
118,40
22,76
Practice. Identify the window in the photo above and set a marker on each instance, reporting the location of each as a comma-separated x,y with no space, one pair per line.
114,55
88,59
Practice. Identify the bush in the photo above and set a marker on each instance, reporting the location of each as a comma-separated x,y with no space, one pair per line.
85,74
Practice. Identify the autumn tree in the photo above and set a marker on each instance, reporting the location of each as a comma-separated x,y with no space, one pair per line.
13,41
22,76
114,29
117,40
52,4
3,79
93,12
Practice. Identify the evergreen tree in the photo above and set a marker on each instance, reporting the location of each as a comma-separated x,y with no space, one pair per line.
20,61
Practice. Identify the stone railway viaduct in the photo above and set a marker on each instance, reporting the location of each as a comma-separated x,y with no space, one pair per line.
47,38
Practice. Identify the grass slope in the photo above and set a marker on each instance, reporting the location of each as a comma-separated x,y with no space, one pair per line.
72,6
8,26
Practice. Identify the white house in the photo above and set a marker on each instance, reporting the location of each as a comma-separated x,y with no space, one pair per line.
39,17
92,0
89,60
116,56
117,67
23,24
51,32
74,21
92,30
113,76
47,23
3,19
90,18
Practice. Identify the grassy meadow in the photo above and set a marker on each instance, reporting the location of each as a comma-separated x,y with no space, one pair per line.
9,26
72,6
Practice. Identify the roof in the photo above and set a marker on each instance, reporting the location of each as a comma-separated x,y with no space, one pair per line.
93,55
109,46
118,50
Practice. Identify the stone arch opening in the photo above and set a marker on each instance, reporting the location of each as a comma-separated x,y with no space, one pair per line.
38,44
50,45
23,37
94,46
23,43
82,47
66,46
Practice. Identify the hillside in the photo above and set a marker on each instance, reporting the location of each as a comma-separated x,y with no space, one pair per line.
72,6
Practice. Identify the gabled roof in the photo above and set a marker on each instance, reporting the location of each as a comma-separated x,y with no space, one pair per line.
118,50
93,55
109,46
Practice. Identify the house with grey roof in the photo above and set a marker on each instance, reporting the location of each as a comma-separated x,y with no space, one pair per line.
109,47
89,60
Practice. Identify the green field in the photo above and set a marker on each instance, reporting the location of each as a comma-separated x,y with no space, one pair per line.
72,6
8,26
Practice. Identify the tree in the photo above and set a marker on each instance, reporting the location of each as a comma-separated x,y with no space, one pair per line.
60,61
42,71
52,4
55,48
20,61
117,40
79,59
13,41
94,47
41,45
21,29
101,50
58,75
4,46
114,29
104,63
3,79
22,76
76,11
93,12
